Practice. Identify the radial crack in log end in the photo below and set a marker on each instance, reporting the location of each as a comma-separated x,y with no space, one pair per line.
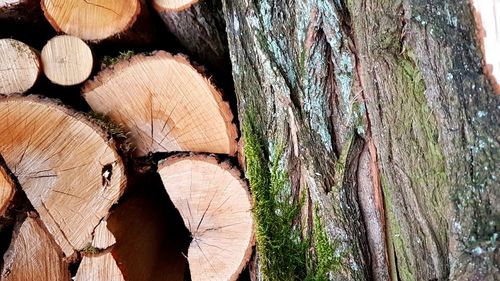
215,206
91,19
58,157
66,60
19,67
165,103
100,267
33,255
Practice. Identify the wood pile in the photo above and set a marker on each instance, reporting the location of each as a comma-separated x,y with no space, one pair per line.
119,164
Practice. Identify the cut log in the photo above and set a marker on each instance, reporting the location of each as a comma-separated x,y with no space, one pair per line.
7,187
19,67
103,238
487,14
33,255
91,20
215,206
165,103
66,60
99,267
173,5
67,166
200,28
151,238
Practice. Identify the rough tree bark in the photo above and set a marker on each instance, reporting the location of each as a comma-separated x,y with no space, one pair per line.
401,80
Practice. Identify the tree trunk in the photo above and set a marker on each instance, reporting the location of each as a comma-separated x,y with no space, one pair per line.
403,80
199,27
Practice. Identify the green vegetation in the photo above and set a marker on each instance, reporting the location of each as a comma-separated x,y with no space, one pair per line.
106,123
397,237
283,251
326,260
108,60
115,130
89,250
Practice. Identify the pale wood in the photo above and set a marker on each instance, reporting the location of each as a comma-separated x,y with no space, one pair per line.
67,166
19,66
215,206
91,20
7,187
488,21
165,103
4,3
103,238
33,255
173,5
100,267
66,60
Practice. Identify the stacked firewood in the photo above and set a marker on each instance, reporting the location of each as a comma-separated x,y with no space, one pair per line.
79,175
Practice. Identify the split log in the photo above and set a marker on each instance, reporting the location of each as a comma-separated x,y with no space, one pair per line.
33,255
67,166
103,238
151,238
165,103
98,263
91,20
99,267
7,188
487,15
66,60
19,67
215,206
200,28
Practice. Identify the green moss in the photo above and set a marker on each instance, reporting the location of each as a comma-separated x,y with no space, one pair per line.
419,130
415,131
106,123
89,250
115,130
282,252
396,236
325,259
108,60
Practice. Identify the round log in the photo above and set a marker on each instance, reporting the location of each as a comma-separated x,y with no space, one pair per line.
66,60
215,205
165,103
67,166
19,67
173,5
91,20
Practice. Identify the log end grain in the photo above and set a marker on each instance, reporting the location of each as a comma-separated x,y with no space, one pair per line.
216,208
19,67
91,20
66,60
